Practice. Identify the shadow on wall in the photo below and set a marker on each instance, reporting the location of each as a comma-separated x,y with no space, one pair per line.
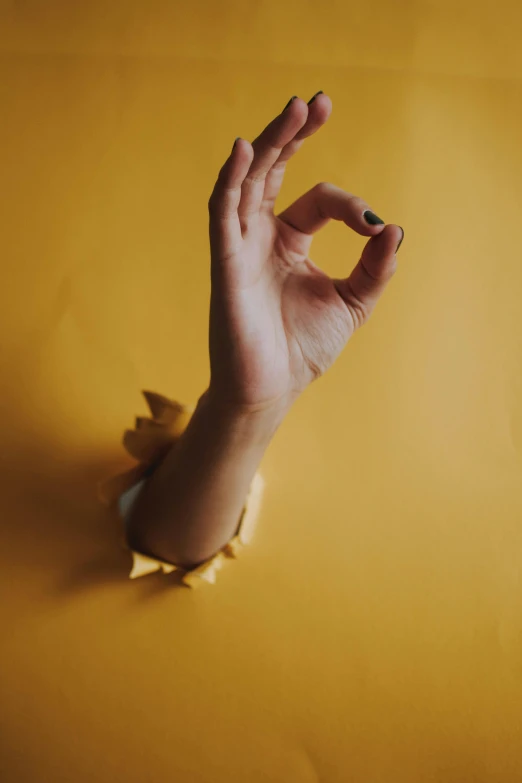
57,536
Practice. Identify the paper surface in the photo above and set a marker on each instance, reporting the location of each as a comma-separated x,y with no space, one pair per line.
372,633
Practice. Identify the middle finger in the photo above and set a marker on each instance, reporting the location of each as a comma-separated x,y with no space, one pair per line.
267,149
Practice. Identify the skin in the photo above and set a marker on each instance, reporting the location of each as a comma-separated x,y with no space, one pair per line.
277,322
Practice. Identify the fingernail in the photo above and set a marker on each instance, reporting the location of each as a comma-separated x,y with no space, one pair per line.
236,141
290,101
312,99
372,218
400,240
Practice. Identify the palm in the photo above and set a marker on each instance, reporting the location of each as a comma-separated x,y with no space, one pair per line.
294,317
277,321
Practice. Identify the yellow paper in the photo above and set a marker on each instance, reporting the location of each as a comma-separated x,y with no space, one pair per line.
372,631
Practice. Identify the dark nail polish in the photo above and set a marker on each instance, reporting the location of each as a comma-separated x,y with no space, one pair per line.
290,101
400,240
372,218
312,99
236,141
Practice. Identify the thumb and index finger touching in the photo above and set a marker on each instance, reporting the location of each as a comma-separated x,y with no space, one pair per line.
367,281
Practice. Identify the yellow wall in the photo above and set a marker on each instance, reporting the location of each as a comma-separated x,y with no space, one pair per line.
373,633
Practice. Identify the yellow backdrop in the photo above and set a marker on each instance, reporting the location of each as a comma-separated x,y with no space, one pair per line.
373,632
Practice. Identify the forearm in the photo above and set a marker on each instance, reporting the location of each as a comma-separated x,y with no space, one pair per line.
191,506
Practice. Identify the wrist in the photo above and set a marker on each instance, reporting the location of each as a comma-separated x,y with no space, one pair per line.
256,423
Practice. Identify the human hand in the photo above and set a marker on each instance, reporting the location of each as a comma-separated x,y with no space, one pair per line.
277,322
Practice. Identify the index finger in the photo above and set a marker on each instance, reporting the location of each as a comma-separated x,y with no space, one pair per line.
326,202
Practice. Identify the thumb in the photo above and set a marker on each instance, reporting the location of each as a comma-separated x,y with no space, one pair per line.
362,289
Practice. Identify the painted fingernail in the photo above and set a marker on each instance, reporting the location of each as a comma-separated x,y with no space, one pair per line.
236,141
312,99
372,218
400,240
290,101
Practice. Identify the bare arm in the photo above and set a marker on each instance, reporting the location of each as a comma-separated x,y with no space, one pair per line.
190,508
277,322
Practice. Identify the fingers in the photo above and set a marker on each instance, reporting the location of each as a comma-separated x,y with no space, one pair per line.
225,227
252,175
319,110
326,202
267,149
362,289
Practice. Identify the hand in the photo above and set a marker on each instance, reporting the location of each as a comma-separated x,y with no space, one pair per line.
277,322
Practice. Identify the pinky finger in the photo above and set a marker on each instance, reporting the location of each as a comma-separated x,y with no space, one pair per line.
225,227
363,288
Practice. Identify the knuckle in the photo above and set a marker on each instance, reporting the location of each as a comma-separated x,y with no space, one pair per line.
358,308
360,311
322,187
255,177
